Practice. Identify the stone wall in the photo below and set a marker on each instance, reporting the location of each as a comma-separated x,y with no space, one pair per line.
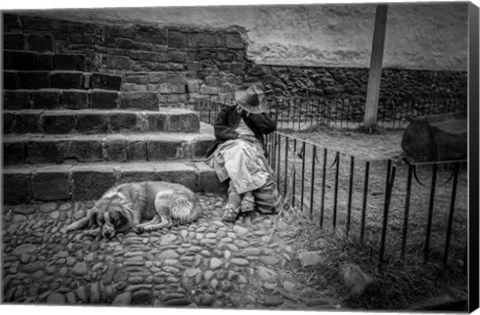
150,66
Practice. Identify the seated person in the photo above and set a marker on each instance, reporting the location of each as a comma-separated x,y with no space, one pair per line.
238,154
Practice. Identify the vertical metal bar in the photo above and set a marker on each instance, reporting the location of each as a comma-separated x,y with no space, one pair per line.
430,212
450,215
407,211
388,193
324,173
364,203
294,171
312,184
276,115
350,187
337,158
279,158
287,141
304,154
299,114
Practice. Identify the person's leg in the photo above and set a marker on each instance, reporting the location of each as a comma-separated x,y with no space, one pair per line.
232,208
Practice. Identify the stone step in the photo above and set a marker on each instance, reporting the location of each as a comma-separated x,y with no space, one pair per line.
91,121
159,146
27,183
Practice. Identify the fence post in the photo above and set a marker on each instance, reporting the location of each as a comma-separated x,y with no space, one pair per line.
337,158
430,212
304,154
388,194
350,186
312,184
324,174
450,215
407,210
364,204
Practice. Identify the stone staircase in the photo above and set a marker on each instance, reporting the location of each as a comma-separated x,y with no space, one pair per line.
68,134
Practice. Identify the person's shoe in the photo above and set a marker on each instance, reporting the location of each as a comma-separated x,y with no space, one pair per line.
248,203
230,214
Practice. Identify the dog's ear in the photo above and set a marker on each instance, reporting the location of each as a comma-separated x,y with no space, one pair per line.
93,215
118,218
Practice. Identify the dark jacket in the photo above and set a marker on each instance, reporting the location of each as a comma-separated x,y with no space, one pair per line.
228,120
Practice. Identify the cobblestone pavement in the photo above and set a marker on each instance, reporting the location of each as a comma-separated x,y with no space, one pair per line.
205,264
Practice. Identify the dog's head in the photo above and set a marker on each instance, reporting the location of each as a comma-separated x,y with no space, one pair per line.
112,214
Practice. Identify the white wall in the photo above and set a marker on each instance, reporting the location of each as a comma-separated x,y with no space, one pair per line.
419,36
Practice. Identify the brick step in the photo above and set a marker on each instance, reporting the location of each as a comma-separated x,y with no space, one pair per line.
159,146
99,121
27,183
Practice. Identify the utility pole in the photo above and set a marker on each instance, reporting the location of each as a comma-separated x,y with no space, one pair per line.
375,74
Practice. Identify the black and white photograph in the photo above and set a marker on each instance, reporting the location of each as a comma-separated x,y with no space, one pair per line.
261,156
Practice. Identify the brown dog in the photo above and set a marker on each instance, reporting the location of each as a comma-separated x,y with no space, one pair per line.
125,206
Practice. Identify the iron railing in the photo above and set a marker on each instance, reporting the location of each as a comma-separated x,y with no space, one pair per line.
303,113
400,210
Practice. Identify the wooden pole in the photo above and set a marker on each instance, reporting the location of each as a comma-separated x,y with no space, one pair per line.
375,74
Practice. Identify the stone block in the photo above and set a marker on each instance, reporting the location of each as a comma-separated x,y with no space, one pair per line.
16,100
33,80
51,183
163,150
45,151
19,60
196,40
70,62
199,148
17,186
177,39
139,100
237,67
194,66
10,80
208,180
88,150
67,80
133,172
102,99
157,77
183,123
11,22
156,122
106,81
13,41
136,150
115,149
27,122
90,123
138,79
40,42
13,152
117,62
172,99
62,122
123,122
91,182
35,23
148,56
44,62
8,122
75,99
45,99
151,34
177,172
177,56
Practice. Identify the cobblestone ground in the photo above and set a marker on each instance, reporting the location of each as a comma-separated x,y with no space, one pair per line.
205,264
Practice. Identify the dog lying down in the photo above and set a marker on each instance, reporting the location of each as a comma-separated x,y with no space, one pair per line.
124,207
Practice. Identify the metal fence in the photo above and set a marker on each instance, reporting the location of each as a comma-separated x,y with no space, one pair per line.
303,113
403,212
